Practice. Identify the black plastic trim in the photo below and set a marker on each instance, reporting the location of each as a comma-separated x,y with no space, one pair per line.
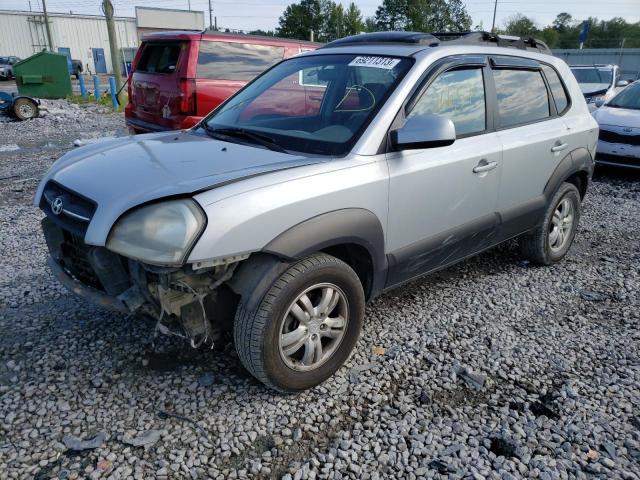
346,226
442,248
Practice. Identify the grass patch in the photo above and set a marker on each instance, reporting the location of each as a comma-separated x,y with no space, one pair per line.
104,100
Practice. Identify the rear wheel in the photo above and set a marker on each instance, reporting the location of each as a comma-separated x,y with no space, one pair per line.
305,327
550,242
25,109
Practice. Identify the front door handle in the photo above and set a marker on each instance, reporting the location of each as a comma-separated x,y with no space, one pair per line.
484,166
559,147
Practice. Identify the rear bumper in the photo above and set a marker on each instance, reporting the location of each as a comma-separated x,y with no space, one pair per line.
142,126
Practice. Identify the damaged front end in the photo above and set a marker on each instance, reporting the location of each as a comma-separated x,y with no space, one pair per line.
194,304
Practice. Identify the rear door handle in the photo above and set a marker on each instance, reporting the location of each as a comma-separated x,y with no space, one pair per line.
484,166
559,148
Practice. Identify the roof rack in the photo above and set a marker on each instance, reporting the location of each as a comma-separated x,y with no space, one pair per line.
435,39
508,41
410,38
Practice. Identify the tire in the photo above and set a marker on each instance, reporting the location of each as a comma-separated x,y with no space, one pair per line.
259,331
543,246
25,109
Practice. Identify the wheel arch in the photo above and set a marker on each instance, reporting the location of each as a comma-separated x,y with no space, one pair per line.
354,235
576,168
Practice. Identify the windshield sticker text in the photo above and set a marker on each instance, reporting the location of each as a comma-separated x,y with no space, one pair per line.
375,62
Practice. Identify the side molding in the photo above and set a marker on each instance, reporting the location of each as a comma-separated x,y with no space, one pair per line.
346,226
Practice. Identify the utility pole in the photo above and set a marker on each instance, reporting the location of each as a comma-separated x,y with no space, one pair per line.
210,17
493,23
189,3
107,8
46,24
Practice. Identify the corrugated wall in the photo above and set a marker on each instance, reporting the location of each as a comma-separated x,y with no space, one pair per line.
627,58
23,34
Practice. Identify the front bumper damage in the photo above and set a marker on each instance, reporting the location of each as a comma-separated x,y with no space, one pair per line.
195,305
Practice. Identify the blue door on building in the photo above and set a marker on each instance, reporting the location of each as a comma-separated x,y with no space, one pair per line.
67,51
98,60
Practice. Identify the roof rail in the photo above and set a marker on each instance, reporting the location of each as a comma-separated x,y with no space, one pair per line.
411,38
435,39
508,41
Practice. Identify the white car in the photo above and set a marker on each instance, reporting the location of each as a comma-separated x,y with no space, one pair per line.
599,83
619,119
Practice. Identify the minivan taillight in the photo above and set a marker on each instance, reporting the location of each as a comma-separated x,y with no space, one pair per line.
187,96
130,88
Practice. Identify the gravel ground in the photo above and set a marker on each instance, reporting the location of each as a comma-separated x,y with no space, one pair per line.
490,369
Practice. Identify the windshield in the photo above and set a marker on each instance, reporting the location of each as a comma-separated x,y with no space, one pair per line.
4,60
593,75
627,98
315,104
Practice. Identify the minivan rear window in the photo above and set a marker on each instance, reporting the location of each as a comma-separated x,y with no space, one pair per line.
235,61
159,58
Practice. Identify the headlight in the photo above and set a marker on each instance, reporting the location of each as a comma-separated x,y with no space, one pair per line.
160,234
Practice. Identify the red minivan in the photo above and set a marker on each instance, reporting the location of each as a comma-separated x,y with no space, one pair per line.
179,77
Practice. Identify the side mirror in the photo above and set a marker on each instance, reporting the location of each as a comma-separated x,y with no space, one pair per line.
598,103
424,131
622,83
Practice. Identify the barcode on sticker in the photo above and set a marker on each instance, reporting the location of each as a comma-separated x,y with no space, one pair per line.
375,62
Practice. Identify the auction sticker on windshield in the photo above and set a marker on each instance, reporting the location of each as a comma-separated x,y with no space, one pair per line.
375,62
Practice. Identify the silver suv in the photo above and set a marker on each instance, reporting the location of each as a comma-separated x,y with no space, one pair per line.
334,176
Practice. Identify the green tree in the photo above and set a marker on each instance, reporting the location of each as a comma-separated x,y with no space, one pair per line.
550,36
563,22
520,25
392,15
263,33
353,23
423,15
299,19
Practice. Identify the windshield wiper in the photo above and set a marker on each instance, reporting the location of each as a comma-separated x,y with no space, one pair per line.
258,138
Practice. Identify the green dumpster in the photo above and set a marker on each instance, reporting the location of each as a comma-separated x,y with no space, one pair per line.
43,75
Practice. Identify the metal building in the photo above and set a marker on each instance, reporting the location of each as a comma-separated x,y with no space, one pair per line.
84,37
628,59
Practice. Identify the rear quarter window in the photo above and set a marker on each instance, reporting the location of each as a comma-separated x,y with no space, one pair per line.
235,61
159,58
558,91
522,96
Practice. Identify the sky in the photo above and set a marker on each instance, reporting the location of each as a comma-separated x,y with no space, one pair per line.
264,14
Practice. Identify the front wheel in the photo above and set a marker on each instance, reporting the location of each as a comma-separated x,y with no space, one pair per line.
305,327
550,242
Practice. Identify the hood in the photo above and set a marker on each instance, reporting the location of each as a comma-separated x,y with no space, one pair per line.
591,88
620,117
125,172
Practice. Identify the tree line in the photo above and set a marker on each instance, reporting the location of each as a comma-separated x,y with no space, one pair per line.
329,20
564,31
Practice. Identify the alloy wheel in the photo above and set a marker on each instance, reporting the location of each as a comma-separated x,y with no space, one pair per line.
561,225
313,327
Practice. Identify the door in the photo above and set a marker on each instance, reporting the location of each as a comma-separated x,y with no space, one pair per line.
99,62
67,51
534,139
442,201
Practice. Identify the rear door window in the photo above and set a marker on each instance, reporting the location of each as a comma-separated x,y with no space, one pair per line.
160,58
522,96
557,89
235,61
